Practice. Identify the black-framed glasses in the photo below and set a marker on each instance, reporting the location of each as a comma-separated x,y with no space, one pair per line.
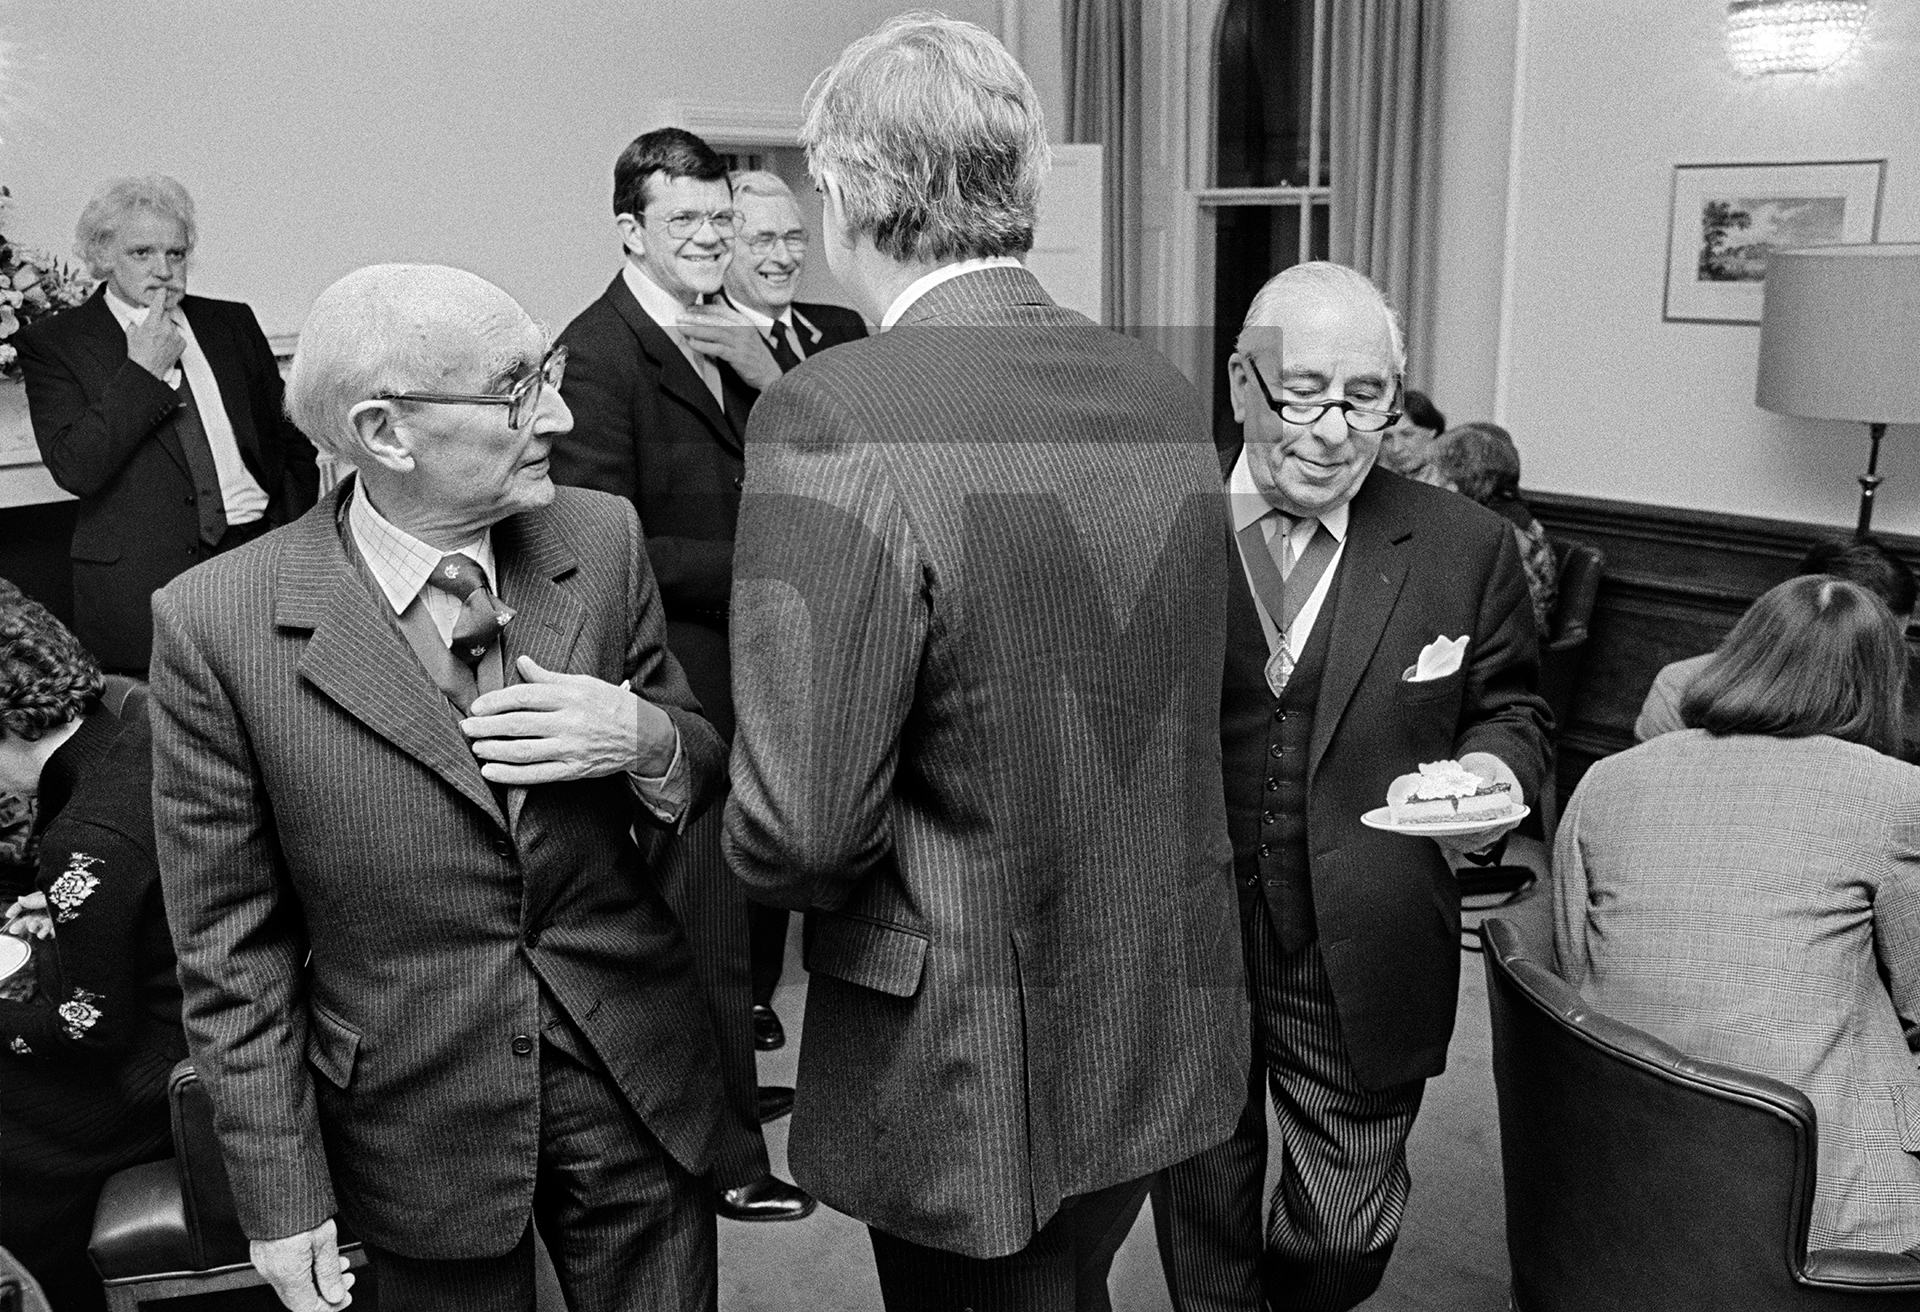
762,243
522,401
682,224
1360,419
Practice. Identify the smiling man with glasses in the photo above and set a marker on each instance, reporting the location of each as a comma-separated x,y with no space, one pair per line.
661,384
768,255
1373,624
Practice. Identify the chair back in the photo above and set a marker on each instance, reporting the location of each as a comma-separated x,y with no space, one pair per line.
1580,569
1637,1177
213,1222
19,1291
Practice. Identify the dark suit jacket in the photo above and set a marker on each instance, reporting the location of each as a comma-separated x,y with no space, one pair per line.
1420,563
106,431
978,649
364,929
837,325
646,428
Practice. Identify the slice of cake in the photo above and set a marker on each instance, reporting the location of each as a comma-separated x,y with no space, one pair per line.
1445,792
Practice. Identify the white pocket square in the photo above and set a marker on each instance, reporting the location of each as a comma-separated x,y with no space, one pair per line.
1438,659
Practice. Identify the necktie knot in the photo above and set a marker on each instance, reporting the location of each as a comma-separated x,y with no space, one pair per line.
458,574
482,617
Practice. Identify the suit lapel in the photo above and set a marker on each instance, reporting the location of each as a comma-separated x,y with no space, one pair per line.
547,619
1372,570
108,342
358,657
677,377
223,358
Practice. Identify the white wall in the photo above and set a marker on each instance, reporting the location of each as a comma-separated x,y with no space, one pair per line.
320,137
1603,397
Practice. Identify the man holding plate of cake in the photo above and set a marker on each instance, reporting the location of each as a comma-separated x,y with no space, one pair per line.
1379,637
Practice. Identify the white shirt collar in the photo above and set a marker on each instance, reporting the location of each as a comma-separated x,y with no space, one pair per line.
763,322
945,273
661,306
401,562
130,316
1250,504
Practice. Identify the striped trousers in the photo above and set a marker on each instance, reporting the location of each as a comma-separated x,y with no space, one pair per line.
1336,1208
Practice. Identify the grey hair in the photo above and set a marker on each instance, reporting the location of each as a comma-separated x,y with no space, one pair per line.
1321,280
935,138
116,198
395,328
759,182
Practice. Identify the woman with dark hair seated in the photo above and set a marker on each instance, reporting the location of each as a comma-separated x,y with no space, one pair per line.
1480,462
84,1057
1748,889
1406,447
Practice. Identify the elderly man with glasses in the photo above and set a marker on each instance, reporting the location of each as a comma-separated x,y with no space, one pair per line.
660,385
401,748
1373,624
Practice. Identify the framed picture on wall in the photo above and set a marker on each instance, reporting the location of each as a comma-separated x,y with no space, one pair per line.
1726,217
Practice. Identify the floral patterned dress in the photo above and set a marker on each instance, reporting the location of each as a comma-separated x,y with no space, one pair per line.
84,1059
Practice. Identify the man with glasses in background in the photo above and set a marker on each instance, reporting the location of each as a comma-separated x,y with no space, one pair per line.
660,385
1373,624
401,749
768,255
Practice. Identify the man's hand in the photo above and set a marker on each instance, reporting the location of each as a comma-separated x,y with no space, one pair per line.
1493,770
27,917
156,344
306,1269
556,727
726,334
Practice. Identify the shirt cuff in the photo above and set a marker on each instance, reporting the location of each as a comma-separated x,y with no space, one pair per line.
664,795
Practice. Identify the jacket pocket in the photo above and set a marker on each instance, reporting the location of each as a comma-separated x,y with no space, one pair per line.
332,1045
887,958
1432,690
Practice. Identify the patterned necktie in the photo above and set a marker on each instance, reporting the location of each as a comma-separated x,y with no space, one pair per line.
482,617
779,339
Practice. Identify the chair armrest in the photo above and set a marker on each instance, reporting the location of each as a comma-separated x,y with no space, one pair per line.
1852,1268
140,1224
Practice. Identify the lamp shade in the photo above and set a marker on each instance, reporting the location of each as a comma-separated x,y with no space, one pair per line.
1840,333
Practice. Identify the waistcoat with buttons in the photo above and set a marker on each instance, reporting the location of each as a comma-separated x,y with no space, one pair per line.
1264,741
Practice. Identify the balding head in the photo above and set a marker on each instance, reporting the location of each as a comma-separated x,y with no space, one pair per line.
399,328
1317,285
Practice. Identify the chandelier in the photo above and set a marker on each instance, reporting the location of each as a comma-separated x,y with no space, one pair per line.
1791,36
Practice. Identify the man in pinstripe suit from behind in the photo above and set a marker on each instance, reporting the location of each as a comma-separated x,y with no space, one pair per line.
1373,624
977,636
400,746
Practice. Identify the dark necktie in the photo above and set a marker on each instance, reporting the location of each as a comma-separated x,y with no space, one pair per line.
482,617
783,353
207,498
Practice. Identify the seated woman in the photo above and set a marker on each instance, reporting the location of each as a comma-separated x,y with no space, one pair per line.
84,1058
1748,889
1408,445
1480,461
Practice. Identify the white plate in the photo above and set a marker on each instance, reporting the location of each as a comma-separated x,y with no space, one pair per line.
1381,818
14,953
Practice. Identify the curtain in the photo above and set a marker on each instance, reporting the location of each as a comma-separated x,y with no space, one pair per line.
1100,56
1383,61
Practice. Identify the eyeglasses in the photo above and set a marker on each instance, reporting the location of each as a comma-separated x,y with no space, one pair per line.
685,223
1359,418
762,243
522,401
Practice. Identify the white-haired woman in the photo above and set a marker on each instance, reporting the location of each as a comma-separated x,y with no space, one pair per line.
158,410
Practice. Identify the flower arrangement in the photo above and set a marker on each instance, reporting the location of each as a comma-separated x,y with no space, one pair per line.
33,285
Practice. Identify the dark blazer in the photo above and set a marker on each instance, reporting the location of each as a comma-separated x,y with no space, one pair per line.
1420,563
365,926
646,428
105,429
978,628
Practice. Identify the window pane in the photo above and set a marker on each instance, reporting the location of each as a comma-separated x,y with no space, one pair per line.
1251,244
1320,239
1266,82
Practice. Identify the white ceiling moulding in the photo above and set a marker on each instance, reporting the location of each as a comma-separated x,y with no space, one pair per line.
732,125
1792,36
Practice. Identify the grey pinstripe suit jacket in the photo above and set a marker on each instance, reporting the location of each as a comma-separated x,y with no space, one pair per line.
363,928
978,636
1740,898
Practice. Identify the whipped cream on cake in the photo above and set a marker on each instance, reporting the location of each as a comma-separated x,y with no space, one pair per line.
1446,792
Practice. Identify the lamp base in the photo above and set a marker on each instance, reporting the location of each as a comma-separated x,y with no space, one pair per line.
1870,482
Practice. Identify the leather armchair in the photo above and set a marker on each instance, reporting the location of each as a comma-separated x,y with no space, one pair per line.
1638,1177
169,1228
